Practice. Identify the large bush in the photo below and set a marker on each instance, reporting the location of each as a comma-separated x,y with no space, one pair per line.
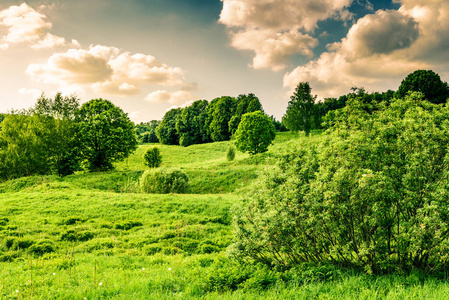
254,133
373,194
152,157
164,181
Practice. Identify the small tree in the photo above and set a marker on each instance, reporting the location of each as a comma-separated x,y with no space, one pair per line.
427,82
230,153
152,157
255,133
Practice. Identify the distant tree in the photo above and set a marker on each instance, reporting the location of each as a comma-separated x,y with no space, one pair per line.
255,133
427,82
105,134
220,113
166,131
146,131
152,157
300,114
230,153
245,104
190,124
278,125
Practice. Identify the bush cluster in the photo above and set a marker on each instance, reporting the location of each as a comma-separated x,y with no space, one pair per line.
164,181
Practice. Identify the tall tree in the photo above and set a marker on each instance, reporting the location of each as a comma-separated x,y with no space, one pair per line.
300,109
105,134
166,131
220,113
427,82
255,133
190,124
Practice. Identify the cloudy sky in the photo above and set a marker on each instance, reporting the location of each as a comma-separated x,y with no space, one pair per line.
147,56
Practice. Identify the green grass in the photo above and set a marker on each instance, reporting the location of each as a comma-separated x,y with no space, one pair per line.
96,236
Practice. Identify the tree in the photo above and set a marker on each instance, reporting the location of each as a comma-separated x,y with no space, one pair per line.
166,131
300,109
245,104
152,157
105,134
190,124
427,82
220,113
2,117
146,131
372,193
255,133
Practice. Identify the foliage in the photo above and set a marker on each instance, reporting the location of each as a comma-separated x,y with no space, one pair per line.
2,117
300,110
146,132
255,133
219,114
152,157
278,125
105,134
166,131
230,153
374,194
245,104
164,181
427,82
190,124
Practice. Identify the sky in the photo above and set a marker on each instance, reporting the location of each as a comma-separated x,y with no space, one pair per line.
148,56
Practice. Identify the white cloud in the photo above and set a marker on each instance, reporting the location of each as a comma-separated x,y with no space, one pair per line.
272,28
26,25
179,98
34,93
106,69
384,45
273,49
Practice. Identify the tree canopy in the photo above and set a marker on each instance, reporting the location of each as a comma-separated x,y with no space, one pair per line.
300,109
166,131
427,82
105,134
255,133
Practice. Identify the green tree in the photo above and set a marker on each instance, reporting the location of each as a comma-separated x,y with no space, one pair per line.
152,157
190,125
220,113
105,134
230,153
427,82
166,131
372,193
255,133
245,104
300,114
2,117
146,131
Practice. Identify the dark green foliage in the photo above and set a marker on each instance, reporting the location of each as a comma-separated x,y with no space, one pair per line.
3,221
374,194
2,117
152,157
42,247
105,134
166,131
146,132
72,221
278,125
427,82
230,153
255,133
164,181
300,114
127,225
245,104
76,236
219,113
190,126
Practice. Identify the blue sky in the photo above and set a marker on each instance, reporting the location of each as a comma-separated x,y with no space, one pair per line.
149,56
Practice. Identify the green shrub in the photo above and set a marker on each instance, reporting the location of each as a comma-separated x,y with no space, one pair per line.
71,220
164,181
3,221
230,153
127,225
152,157
42,247
74,236
152,249
373,194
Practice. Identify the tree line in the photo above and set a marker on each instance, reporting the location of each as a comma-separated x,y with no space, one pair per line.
60,136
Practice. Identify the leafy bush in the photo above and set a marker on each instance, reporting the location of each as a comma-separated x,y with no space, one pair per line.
74,236
152,157
255,133
374,194
41,247
127,225
230,153
164,181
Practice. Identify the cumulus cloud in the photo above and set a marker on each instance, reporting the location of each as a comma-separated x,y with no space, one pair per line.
179,97
384,45
26,25
272,28
273,49
106,69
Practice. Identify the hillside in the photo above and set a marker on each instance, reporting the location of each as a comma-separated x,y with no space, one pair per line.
95,236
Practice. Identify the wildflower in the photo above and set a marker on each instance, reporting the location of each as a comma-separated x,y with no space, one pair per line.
17,291
101,283
54,274
143,269
169,269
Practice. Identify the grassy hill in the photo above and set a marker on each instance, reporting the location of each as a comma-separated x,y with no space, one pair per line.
95,236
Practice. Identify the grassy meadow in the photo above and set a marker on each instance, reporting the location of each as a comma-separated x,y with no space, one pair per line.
96,236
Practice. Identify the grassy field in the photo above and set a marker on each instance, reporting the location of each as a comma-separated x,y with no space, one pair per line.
95,236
